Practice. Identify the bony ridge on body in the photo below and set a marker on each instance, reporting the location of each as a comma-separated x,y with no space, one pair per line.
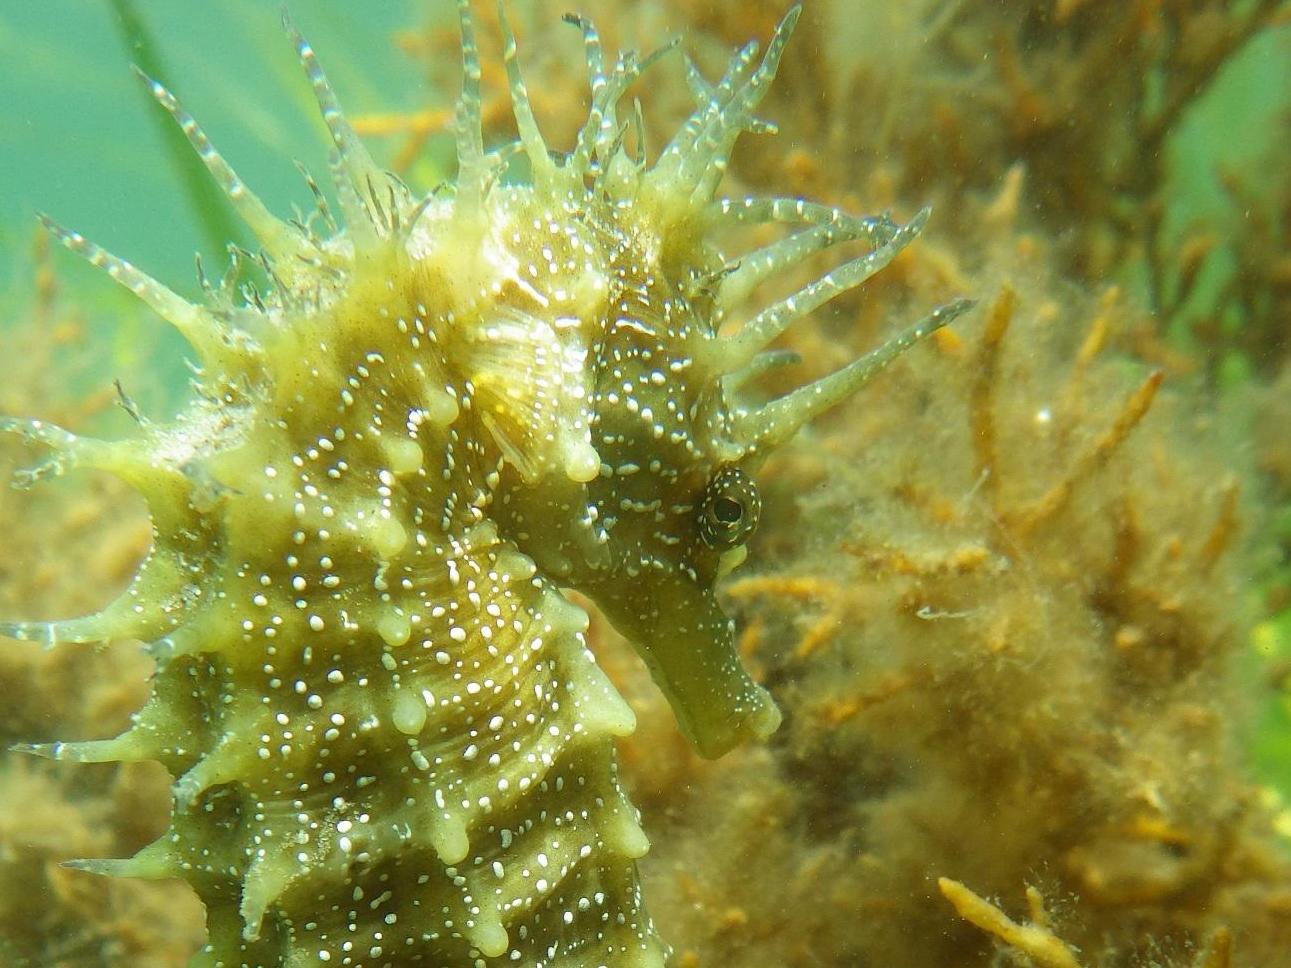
391,743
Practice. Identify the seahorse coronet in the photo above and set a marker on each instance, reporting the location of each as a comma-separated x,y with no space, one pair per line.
390,741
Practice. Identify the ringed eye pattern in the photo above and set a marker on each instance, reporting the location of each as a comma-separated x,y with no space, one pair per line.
729,510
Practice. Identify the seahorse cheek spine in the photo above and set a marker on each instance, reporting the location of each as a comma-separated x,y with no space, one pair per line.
391,745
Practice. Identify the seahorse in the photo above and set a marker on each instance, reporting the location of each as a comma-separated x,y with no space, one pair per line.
390,742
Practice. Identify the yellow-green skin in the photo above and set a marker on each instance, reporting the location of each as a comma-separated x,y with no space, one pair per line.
391,744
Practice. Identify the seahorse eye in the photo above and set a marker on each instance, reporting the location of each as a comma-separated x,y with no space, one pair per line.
729,509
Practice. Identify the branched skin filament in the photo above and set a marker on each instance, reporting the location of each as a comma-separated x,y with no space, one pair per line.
390,743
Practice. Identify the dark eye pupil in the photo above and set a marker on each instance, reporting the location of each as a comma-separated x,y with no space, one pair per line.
727,510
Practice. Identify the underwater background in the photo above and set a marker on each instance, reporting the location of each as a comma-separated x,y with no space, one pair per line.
1026,602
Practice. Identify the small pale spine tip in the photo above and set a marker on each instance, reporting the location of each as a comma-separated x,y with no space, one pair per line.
123,748
408,712
738,115
449,840
279,238
387,537
404,455
779,420
489,936
603,710
213,343
153,863
75,631
394,628
264,883
623,833
46,751
775,319
354,159
582,462
470,131
527,126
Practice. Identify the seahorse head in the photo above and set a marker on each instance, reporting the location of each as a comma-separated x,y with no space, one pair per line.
642,491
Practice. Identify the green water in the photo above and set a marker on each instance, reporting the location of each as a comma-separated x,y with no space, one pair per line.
79,140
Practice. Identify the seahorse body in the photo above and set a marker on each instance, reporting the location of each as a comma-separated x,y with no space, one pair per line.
390,743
